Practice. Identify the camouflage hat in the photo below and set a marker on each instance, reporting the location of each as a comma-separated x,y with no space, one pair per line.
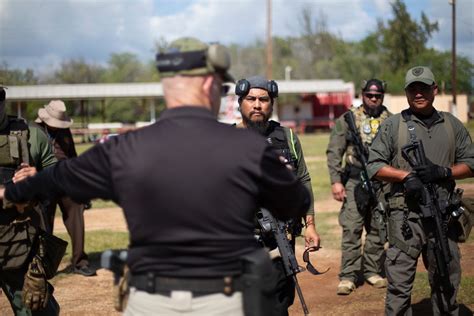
419,74
191,57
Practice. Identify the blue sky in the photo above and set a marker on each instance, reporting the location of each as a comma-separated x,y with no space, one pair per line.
39,34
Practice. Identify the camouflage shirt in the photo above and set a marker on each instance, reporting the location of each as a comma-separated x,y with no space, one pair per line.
340,144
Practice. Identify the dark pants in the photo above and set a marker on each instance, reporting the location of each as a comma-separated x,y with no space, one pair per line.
355,258
73,218
401,269
11,282
285,289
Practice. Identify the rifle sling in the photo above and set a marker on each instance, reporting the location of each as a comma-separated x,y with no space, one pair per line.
403,132
400,244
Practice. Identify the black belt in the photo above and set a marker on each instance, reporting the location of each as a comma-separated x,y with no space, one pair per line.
199,287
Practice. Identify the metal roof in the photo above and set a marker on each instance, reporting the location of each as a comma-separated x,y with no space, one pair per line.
149,90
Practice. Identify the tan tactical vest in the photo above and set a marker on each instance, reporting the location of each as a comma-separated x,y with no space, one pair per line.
368,127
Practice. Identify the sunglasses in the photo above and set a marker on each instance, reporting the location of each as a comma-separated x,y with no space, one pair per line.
309,265
372,95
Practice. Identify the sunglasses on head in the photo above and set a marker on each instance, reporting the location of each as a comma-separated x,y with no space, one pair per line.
309,265
372,95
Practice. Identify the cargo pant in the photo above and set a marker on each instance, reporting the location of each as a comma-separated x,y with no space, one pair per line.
353,260
401,265
73,218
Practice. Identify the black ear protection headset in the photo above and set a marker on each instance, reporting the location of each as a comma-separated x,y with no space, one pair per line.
243,87
365,83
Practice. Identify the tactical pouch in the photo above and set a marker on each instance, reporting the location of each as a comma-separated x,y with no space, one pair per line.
463,225
259,281
362,198
16,242
53,249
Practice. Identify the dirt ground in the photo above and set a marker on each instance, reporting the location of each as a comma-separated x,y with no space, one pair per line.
79,295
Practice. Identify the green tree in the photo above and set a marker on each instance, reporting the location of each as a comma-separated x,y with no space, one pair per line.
125,67
15,77
403,38
78,71
247,60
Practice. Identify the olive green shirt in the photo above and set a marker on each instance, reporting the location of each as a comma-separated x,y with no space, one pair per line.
301,169
437,143
41,154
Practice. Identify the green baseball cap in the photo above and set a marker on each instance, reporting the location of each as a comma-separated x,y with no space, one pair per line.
190,57
419,74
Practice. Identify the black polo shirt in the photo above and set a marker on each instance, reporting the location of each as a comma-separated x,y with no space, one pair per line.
189,187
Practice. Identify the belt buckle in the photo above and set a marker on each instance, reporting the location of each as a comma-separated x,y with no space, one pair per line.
150,283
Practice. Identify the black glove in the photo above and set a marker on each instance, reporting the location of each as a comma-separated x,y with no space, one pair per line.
413,186
430,172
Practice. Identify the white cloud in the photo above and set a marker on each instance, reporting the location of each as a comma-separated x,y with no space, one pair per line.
70,29
33,33
442,12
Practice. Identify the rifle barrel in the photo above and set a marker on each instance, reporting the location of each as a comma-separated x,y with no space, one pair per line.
300,295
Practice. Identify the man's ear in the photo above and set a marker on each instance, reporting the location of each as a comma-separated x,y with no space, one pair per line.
207,84
435,89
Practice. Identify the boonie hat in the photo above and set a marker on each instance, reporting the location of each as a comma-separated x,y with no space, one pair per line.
419,74
54,114
189,56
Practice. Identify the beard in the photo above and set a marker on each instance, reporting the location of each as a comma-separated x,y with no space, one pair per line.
373,112
257,126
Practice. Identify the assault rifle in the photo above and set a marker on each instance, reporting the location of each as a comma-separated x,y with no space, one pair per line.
269,224
379,211
430,208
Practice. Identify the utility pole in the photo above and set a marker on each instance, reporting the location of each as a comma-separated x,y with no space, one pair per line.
269,40
453,53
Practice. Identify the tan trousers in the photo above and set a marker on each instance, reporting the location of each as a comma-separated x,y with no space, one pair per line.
183,303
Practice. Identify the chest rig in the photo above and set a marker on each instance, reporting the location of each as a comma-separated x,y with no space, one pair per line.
283,142
367,127
13,147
